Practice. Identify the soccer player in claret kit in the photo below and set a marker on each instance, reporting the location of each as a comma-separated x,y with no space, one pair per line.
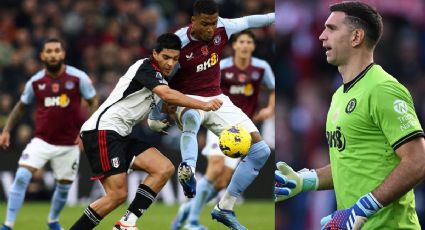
376,143
57,90
198,76
241,79
110,150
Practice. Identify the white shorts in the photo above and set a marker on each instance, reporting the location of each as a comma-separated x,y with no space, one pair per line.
228,114
64,160
212,149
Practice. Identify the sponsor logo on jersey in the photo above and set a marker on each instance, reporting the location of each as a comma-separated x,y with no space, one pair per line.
400,106
217,40
158,76
189,57
41,86
255,75
228,75
212,61
55,87
61,101
115,162
69,85
204,50
336,139
351,106
246,90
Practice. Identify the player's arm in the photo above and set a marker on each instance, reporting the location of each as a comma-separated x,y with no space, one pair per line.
13,118
174,97
408,173
268,111
93,104
236,25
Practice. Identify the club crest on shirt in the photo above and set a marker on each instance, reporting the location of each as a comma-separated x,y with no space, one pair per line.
69,85
351,105
217,40
55,87
255,75
204,50
115,162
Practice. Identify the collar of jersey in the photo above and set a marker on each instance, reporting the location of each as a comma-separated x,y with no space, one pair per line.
350,84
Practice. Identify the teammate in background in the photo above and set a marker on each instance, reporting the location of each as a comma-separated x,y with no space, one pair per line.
110,150
241,78
376,143
57,91
199,77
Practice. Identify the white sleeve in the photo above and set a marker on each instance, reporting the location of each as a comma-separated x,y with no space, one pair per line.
268,79
236,25
86,87
28,95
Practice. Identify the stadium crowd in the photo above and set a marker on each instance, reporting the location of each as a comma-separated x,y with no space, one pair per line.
103,38
307,83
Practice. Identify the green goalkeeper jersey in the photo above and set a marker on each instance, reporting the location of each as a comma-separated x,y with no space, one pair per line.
369,118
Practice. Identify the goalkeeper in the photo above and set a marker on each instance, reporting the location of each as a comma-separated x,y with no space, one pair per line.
376,144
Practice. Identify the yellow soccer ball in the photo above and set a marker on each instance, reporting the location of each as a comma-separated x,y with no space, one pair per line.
235,141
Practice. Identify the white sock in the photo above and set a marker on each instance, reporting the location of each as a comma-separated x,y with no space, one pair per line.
9,223
129,218
227,201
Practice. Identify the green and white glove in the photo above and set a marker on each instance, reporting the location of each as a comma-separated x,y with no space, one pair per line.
289,183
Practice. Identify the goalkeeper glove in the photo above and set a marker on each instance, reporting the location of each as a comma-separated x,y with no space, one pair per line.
354,217
289,183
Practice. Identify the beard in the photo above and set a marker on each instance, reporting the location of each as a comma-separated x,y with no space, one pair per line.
53,68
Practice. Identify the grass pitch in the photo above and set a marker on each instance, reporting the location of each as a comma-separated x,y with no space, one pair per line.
255,215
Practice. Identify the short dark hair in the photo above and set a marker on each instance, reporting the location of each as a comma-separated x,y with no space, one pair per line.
361,15
205,7
246,32
168,41
53,39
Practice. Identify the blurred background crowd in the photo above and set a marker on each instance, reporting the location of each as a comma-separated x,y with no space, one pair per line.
103,38
306,84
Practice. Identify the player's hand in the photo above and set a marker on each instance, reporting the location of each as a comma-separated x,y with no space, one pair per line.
262,115
289,183
5,140
354,217
159,126
213,105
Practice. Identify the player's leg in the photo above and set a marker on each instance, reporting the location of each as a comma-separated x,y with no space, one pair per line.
247,169
33,157
243,176
106,153
190,120
116,190
206,190
159,169
205,185
65,168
